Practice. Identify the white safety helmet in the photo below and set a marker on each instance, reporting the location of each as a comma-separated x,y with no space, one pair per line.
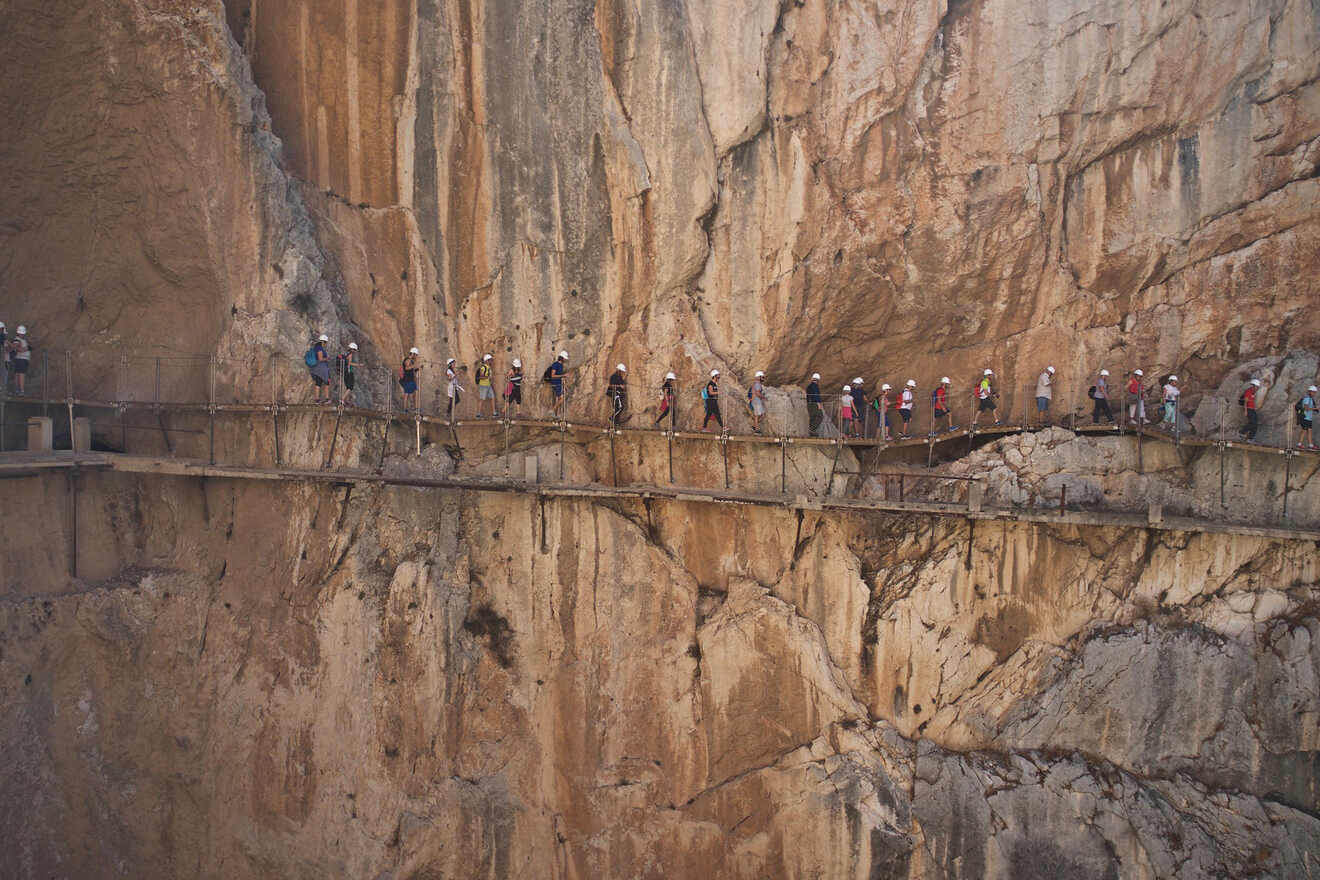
450,362
352,346
564,355
946,381
2,325
847,388
1173,378
1313,388
815,377
885,387
622,368
1050,370
517,362
1255,382
857,381
760,374
989,372
670,376
413,350
714,373
1104,372
22,331
912,383
1138,373
323,338
485,357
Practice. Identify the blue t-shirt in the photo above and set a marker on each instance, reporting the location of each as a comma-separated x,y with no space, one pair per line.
813,392
557,375
1308,407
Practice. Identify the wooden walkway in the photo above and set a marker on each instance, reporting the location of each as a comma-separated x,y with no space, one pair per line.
25,464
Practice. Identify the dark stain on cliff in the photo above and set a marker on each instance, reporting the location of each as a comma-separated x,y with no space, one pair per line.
1005,632
485,623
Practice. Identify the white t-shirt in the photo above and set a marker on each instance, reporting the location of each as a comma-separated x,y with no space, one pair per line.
1171,392
906,402
1043,385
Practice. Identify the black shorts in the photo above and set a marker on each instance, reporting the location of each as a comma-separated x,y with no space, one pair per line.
1304,423
906,415
350,379
986,404
940,412
21,365
515,396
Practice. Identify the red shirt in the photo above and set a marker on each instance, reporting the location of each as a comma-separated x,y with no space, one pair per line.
1249,398
939,397
1134,385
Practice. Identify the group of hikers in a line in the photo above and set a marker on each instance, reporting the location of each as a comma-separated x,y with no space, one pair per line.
16,352
889,415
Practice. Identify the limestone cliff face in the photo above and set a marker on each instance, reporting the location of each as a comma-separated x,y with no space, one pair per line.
244,681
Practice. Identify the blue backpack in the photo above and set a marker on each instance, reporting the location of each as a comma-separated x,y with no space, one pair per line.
310,358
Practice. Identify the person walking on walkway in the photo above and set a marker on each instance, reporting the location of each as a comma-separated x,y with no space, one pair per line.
1247,400
711,395
513,390
667,407
986,396
486,386
846,411
905,402
554,377
859,406
1171,394
815,413
939,403
1044,395
6,358
756,401
1306,408
618,394
412,364
1135,398
1100,398
884,408
348,364
453,388
318,366
21,352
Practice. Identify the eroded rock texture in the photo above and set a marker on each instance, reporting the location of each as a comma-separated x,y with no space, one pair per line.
249,682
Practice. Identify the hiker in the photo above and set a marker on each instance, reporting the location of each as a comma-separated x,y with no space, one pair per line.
554,377
985,397
756,401
618,392
1044,394
939,404
667,407
1136,398
20,350
815,413
1100,395
846,411
412,362
513,390
486,386
711,394
348,364
884,405
318,367
1306,408
1247,400
453,390
859,406
1171,395
5,357
905,401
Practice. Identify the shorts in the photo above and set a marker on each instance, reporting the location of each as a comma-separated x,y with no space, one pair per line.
485,392
515,396
906,415
318,381
758,407
21,365
409,386
1042,404
1304,423
986,404
557,390
940,412
350,379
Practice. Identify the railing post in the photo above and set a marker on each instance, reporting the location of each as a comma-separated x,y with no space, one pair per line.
68,397
783,463
1223,445
389,417
156,398
210,405
45,384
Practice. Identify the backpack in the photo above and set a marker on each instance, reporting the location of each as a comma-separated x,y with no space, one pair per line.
1242,399
310,357
1300,407
1090,392
704,395
547,376
935,398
